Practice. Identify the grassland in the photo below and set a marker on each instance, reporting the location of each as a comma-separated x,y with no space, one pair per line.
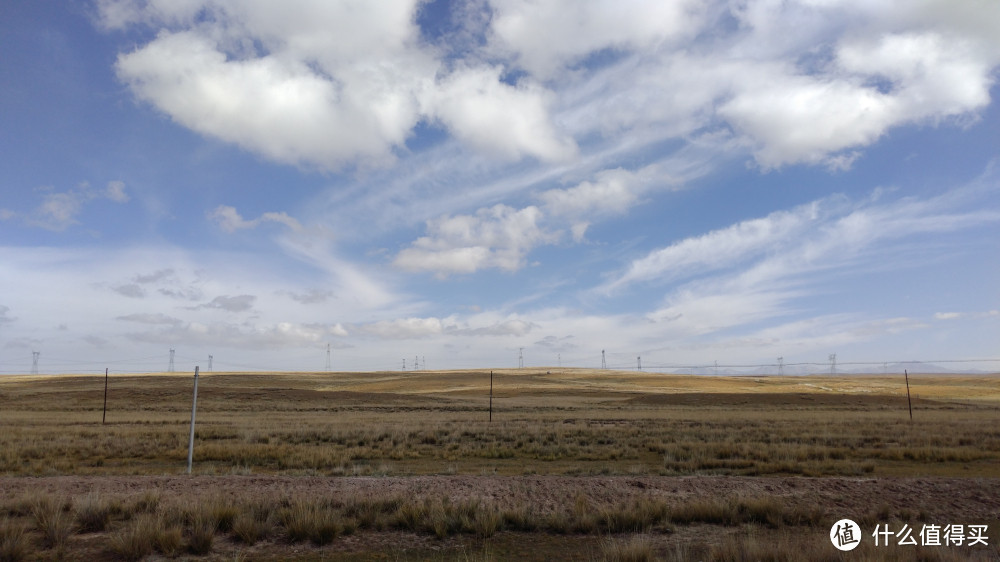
422,436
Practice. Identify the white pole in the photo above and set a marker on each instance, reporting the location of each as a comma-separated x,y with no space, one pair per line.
194,407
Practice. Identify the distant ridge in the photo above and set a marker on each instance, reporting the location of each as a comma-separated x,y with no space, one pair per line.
913,367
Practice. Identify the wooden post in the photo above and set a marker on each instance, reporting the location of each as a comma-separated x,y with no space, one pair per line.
491,396
194,407
908,403
104,417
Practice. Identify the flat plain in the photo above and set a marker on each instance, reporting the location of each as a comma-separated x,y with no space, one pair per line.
570,464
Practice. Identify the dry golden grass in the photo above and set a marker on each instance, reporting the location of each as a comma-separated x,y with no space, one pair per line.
568,422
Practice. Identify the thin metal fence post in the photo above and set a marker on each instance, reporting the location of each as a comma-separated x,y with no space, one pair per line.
908,403
104,416
194,407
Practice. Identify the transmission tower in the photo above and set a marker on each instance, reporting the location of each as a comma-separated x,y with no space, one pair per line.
209,363
404,363
716,368
833,363
604,362
416,362
328,364
34,362
559,358
170,367
638,363
781,365
520,358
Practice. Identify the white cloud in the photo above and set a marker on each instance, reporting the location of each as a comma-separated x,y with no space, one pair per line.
510,121
947,315
403,328
326,84
151,318
496,237
229,219
611,192
278,335
239,303
721,248
545,37
59,210
115,191
334,84
755,270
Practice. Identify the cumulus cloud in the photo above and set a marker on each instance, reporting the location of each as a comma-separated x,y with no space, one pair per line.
496,237
546,37
511,121
230,220
324,84
334,84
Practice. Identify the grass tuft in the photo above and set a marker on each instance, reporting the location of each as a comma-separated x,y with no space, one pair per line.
15,543
635,548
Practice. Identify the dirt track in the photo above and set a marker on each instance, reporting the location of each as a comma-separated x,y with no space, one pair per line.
951,499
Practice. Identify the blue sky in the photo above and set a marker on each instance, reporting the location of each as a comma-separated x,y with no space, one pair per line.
689,182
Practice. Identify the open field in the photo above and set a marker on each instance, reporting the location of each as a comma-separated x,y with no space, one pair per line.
583,463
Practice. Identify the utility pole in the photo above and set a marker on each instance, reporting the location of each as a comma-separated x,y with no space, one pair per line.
833,363
34,362
329,366
170,367
604,362
404,363
520,358
416,362
716,368
781,366
209,363
638,363
491,396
